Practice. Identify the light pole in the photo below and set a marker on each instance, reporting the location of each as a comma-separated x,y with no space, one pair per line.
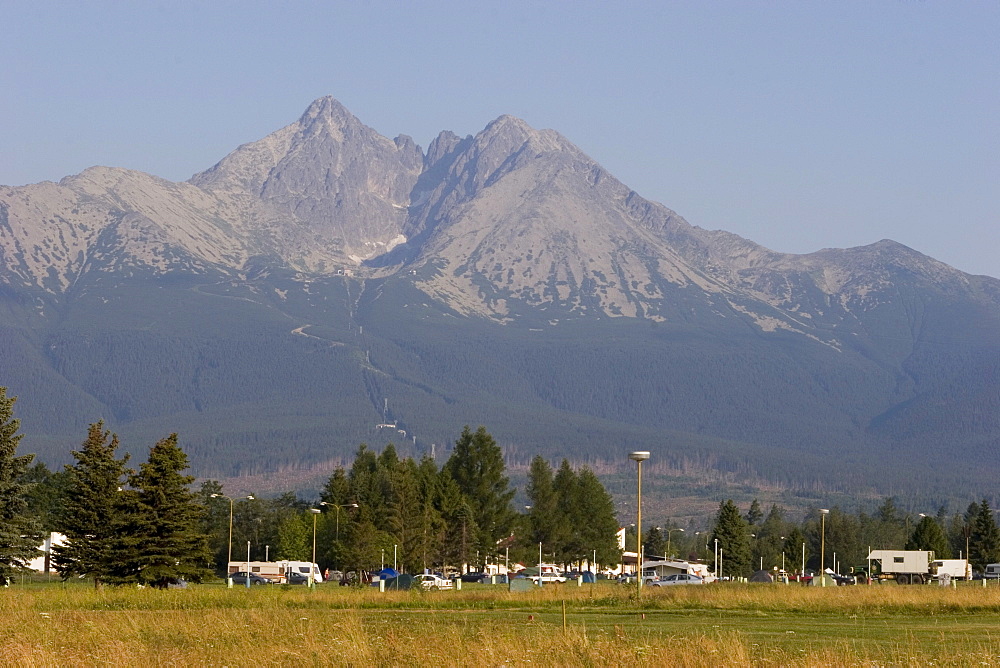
337,507
229,554
823,512
312,566
716,550
639,456
669,531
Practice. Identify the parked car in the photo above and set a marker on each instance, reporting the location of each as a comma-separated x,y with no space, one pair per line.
677,579
472,577
295,578
255,579
548,577
432,581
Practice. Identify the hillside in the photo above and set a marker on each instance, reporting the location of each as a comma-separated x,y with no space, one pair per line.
320,282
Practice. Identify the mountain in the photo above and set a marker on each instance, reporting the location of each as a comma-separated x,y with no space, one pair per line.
324,282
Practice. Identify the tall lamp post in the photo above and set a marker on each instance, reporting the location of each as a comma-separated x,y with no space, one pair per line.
337,507
669,531
312,566
639,456
229,555
823,512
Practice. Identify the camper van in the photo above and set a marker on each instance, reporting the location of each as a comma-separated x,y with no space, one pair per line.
284,572
992,572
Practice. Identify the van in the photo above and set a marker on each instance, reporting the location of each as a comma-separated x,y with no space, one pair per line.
992,571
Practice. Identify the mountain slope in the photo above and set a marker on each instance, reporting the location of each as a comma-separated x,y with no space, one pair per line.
325,280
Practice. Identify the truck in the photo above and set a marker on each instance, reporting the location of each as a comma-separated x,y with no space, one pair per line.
956,569
916,566
283,572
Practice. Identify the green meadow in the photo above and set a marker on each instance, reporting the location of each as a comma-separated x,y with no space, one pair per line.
55,624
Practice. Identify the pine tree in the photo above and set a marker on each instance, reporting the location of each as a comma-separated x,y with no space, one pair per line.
755,514
928,535
598,523
733,535
795,549
20,534
543,516
167,541
984,547
654,546
93,519
477,467
567,543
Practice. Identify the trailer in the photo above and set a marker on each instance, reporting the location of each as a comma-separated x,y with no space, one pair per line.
903,566
284,572
917,566
956,569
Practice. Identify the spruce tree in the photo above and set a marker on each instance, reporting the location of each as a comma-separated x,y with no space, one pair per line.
733,534
543,516
477,467
20,534
598,520
167,543
928,535
984,547
654,545
94,519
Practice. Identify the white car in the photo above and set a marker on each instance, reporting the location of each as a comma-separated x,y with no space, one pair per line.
431,581
678,579
548,577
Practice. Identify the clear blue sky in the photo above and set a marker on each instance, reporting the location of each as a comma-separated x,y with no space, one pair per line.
800,125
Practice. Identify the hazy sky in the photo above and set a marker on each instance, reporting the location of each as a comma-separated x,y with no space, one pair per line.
800,125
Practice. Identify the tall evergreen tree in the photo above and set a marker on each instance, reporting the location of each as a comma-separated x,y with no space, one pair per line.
543,516
928,535
985,542
94,519
598,521
20,534
755,514
733,534
795,549
566,540
167,541
654,546
477,467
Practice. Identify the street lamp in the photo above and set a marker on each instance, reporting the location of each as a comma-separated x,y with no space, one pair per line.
229,556
716,551
337,507
639,456
669,531
312,566
823,512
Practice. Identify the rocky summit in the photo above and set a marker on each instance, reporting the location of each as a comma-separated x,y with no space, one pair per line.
326,286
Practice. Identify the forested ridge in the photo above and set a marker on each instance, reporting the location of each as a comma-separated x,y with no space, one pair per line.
274,372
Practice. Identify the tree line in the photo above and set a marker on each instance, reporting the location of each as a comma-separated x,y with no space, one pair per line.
147,526
754,540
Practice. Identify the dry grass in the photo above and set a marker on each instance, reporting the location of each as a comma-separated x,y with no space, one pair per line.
606,626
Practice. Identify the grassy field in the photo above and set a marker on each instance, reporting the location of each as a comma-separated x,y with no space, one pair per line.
604,625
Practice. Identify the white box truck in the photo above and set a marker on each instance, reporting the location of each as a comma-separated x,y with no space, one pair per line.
916,566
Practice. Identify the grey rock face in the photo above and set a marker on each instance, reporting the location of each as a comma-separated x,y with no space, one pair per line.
511,217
